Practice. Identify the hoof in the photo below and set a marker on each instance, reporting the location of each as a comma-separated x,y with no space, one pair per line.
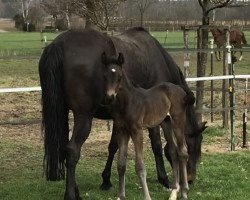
121,198
105,186
73,195
164,182
72,198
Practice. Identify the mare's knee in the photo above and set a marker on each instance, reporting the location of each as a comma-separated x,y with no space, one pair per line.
73,156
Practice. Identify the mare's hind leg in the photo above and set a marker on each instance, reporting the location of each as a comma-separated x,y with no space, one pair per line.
123,139
155,137
179,123
137,138
112,149
82,126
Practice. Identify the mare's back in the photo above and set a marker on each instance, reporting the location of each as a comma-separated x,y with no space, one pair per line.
146,62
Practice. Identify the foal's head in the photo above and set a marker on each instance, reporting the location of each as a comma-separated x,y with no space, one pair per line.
113,74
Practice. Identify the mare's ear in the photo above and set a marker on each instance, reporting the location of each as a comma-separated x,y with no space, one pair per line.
120,59
104,58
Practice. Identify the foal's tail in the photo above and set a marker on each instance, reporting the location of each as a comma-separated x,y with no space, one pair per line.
54,111
243,38
189,98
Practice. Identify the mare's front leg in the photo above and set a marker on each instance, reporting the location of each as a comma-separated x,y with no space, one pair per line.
112,149
155,137
122,139
137,137
81,130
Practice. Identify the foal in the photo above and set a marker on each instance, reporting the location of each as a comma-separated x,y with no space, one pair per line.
134,108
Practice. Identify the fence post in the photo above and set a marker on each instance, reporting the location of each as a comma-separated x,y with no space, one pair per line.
212,82
186,54
225,84
244,134
231,96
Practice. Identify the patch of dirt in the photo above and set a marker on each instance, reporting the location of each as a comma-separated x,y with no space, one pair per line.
6,25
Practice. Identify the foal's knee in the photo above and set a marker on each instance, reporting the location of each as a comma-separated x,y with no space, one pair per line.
121,168
183,154
140,169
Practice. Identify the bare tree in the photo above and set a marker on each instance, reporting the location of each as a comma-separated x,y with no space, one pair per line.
101,13
21,6
59,7
142,6
207,6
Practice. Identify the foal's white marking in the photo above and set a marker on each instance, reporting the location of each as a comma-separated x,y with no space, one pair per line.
240,58
113,70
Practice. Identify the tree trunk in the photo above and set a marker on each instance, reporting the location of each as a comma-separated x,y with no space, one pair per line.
201,66
68,17
141,19
90,9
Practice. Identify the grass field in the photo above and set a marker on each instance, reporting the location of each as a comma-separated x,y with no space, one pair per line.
222,175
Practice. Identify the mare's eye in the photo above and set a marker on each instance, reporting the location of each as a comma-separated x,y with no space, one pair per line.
105,76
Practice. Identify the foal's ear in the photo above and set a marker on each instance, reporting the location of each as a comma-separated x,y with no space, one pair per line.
120,59
104,58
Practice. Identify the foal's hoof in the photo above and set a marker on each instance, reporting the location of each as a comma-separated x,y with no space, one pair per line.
105,186
121,198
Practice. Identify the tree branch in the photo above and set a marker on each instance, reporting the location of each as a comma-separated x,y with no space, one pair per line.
218,6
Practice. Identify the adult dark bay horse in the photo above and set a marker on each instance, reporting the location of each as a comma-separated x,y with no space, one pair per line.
71,77
236,39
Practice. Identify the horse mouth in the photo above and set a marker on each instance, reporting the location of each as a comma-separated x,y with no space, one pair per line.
111,93
191,177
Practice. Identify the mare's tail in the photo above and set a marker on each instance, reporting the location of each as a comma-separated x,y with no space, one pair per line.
243,38
54,111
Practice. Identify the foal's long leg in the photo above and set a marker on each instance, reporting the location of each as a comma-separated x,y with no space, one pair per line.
112,149
155,137
169,136
179,123
123,139
82,126
137,138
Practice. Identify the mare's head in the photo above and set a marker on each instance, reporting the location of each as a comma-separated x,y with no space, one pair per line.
194,140
113,74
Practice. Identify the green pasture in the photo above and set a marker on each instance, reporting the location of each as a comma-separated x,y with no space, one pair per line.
14,44
222,175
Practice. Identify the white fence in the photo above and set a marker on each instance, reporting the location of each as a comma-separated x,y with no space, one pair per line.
209,78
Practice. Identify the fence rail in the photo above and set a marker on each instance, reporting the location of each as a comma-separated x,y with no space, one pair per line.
208,78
